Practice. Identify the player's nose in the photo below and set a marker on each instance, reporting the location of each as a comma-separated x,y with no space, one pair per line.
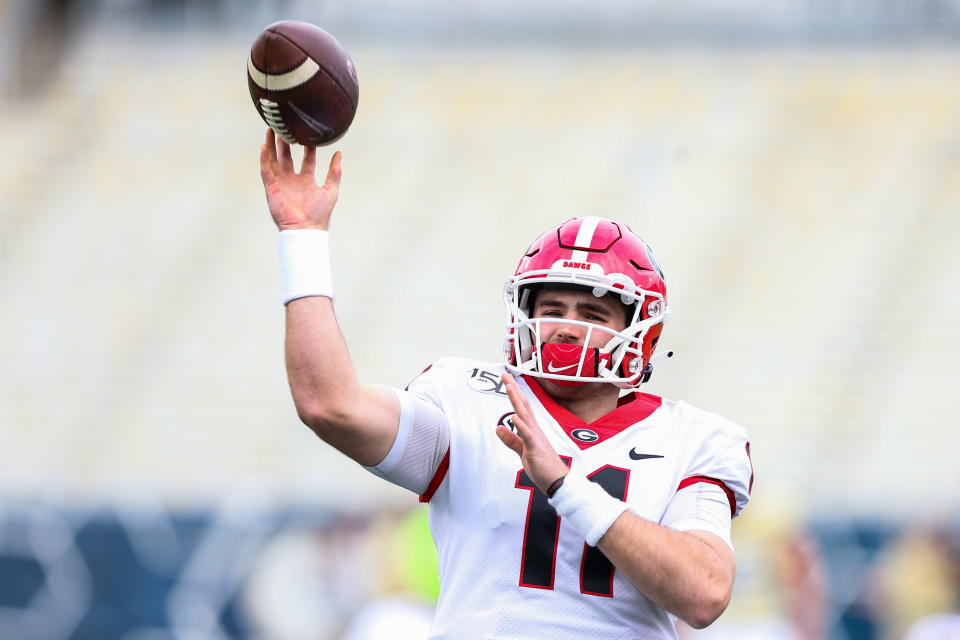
568,334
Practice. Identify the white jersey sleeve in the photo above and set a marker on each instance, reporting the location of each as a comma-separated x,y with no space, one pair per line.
701,507
423,437
722,456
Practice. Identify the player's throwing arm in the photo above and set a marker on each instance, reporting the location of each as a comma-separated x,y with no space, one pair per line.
359,420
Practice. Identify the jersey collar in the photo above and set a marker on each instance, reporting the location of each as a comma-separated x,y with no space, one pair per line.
631,409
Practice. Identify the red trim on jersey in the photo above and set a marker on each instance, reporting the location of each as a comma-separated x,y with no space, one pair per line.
628,398
631,409
438,477
686,482
407,388
750,486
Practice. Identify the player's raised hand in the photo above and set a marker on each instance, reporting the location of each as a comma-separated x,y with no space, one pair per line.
539,458
294,198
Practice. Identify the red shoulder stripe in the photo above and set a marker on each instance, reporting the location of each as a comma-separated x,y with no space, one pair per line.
407,388
686,482
438,477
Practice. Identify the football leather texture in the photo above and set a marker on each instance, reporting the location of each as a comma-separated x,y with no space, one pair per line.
303,83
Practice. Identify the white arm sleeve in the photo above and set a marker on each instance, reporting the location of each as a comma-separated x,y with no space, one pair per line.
702,506
423,438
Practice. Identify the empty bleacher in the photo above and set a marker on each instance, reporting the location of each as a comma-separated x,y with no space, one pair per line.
803,202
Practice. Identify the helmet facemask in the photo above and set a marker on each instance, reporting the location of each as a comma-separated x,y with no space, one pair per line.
619,359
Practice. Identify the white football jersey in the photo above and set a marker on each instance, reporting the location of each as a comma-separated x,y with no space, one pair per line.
509,566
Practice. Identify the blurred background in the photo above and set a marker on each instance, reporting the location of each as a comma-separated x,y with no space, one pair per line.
795,164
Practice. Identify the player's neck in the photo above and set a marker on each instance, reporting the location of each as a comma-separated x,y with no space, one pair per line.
588,401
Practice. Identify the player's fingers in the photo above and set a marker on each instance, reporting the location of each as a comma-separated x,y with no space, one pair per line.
266,165
509,381
510,439
268,156
524,422
334,173
524,433
309,165
284,155
271,141
332,183
533,439
517,399
512,393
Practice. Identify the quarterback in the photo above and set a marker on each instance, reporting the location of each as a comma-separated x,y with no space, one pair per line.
564,503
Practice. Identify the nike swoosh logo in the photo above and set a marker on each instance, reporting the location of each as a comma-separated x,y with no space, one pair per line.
551,368
642,456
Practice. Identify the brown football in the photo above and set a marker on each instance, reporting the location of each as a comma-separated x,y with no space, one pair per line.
303,83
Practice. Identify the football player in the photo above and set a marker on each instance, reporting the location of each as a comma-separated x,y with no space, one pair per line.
564,503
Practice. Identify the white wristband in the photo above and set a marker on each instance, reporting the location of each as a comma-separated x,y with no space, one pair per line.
304,264
586,506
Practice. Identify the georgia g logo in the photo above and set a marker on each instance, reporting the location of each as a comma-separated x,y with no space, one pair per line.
584,435
507,421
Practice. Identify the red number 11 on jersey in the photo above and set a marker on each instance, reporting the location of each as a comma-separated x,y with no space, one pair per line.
541,534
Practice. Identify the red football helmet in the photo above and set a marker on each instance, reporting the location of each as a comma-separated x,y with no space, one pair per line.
606,257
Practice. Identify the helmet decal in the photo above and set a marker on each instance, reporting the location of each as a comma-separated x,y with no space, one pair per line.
587,234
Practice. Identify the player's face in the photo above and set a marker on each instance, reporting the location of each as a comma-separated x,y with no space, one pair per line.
577,304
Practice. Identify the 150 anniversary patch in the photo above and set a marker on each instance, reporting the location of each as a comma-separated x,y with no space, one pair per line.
486,381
